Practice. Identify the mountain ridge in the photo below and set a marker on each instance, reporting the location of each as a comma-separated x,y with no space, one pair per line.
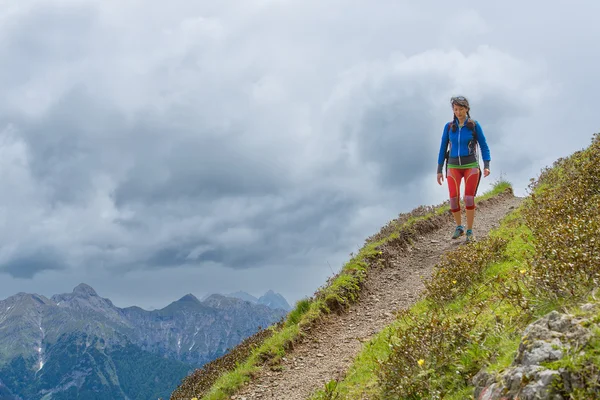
187,331
269,298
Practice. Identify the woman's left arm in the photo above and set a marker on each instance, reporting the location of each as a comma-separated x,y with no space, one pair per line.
485,149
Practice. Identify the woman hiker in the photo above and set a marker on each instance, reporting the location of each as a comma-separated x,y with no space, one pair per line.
462,136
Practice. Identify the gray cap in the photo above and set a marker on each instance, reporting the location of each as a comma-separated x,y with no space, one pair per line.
460,100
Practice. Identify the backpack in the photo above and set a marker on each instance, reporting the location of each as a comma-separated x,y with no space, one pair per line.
471,124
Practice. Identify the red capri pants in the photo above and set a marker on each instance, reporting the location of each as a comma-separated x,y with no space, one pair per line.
454,177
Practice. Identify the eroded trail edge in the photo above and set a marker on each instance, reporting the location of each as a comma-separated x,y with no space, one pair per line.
329,349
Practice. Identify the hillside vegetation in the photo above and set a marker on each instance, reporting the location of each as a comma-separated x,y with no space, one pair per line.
545,256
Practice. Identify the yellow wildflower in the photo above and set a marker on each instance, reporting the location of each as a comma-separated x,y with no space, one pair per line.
421,362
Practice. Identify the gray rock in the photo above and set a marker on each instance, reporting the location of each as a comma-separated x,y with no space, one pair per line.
589,307
543,341
494,391
541,386
561,323
541,351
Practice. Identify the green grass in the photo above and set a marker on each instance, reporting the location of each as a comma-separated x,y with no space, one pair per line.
273,347
335,296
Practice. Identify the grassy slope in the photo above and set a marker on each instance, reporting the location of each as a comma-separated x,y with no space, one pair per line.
361,381
543,257
335,296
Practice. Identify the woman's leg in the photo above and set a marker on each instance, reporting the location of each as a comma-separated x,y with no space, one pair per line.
454,178
471,182
470,218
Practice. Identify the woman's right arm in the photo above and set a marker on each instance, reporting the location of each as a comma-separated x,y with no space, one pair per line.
442,154
443,148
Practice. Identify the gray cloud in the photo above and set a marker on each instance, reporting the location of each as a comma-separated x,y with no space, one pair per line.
66,147
39,39
28,263
224,143
272,236
199,168
395,137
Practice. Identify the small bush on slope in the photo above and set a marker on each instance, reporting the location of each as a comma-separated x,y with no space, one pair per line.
565,218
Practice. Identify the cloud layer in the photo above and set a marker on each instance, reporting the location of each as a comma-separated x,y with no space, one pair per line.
253,145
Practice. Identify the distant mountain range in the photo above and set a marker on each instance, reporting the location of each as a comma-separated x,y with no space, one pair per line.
269,299
80,345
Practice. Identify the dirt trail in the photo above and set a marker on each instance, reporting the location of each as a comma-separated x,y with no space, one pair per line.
330,349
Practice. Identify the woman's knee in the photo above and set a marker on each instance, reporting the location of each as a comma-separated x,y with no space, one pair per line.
470,202
454,204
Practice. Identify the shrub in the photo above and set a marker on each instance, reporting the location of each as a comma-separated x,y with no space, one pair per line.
564,217
460,269
427,348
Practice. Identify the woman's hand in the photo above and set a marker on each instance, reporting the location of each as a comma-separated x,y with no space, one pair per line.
486,172
440,178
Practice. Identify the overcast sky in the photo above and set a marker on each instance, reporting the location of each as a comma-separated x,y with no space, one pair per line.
152,149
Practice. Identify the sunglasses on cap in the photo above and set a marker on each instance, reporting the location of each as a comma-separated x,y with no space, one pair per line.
460,100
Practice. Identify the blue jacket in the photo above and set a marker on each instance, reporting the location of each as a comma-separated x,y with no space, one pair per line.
462,148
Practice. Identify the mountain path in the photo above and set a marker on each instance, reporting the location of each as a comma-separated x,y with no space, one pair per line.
328,351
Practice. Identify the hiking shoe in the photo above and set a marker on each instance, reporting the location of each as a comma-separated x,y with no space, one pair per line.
470,237
458,232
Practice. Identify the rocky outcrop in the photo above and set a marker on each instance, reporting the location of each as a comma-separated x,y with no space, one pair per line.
548,339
